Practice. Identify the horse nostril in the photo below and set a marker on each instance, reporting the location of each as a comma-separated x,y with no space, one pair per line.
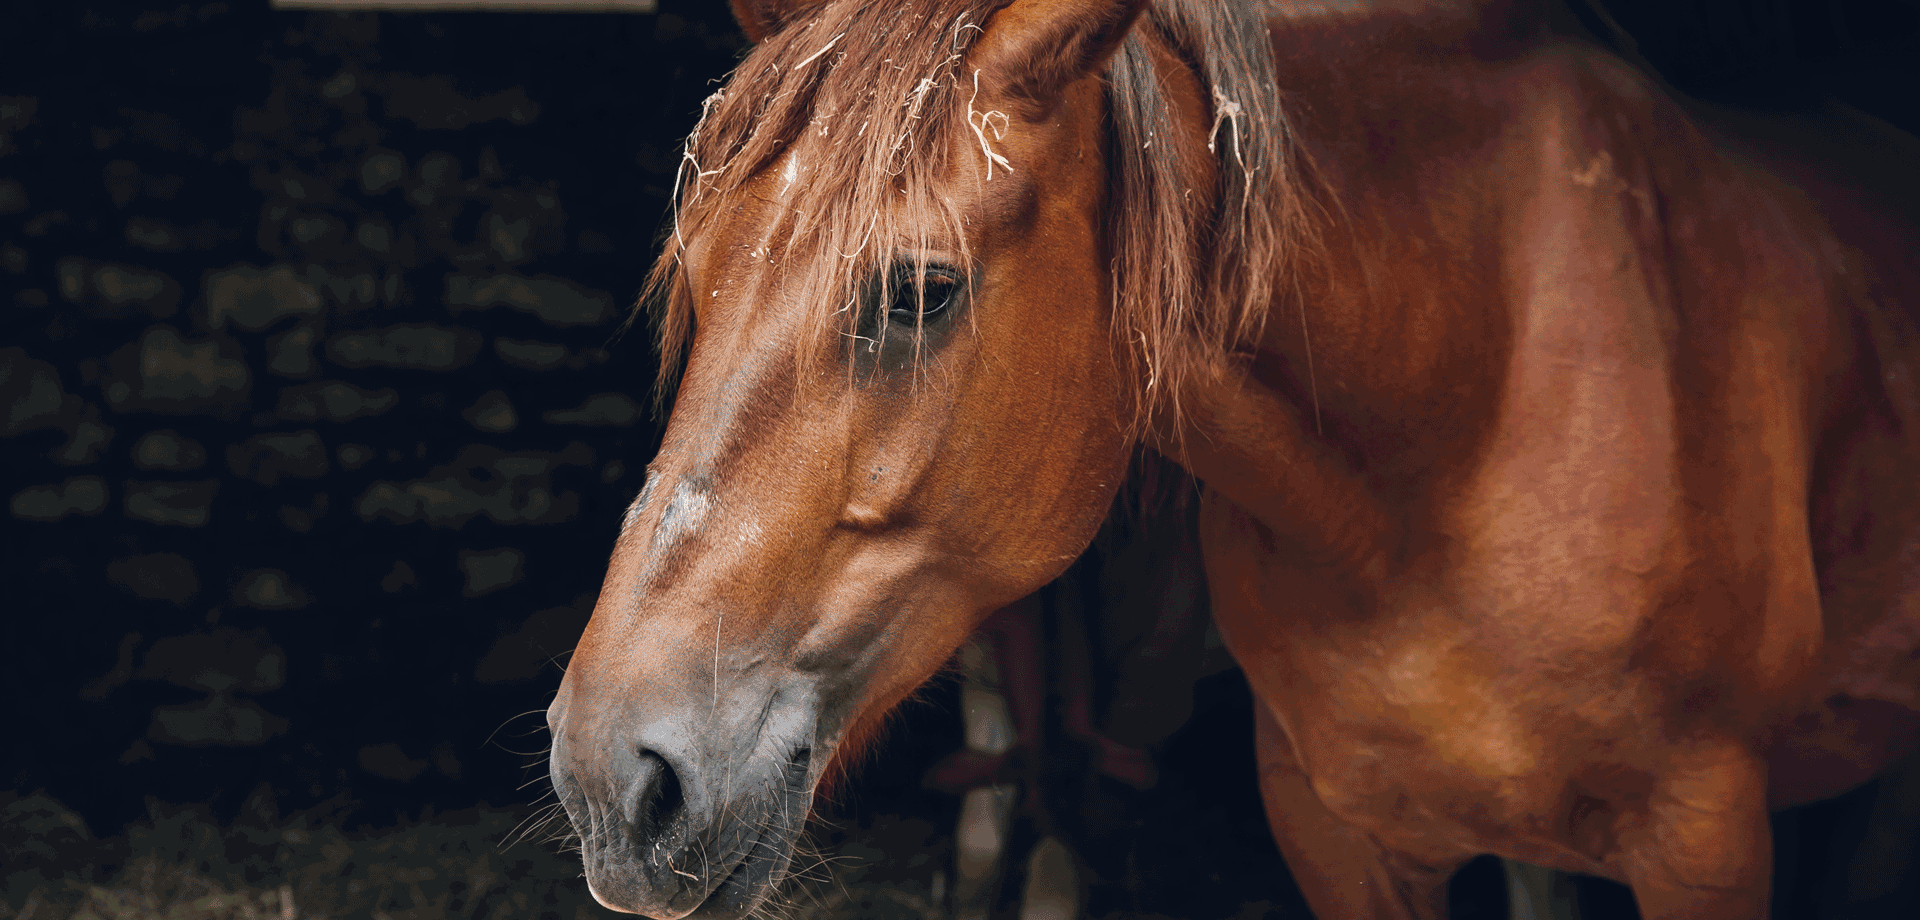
660,796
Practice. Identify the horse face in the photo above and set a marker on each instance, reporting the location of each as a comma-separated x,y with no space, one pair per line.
824,525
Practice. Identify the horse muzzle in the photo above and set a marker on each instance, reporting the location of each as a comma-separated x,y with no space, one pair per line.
682,814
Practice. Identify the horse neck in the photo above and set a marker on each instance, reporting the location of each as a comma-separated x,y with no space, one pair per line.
1337,396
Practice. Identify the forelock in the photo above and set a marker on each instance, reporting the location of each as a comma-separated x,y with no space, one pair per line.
880,90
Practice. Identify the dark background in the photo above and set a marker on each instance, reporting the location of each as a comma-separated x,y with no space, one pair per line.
281,512
316,425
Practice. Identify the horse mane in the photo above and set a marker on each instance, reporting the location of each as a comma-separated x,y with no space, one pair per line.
887,87
1178,318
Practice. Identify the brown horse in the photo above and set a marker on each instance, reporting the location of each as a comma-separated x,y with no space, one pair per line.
1558,440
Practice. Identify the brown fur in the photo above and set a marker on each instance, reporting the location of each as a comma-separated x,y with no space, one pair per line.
889,99
892,100
1593,537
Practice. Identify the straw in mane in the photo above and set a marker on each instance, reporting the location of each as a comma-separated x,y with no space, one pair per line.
889,89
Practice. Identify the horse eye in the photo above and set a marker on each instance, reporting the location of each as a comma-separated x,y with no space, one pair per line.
926,299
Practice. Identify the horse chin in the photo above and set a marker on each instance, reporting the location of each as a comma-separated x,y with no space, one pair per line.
762,858
753,880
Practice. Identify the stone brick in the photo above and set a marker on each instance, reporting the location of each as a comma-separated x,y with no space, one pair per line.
286,184
222,660
183,504
168,450
354,456
160,576
602,409
44,223
218,720
31,391
85,440
490,570
390,761
255,298
382,170
13,196
508,237
16,113
349,290
109,291
121,284
122,178
537,356
166,373
432,102
125,181
492,413
314,229
161,236
334,401
85,495
265,458
302,519
375,236
409,345
268,589
398,578
508,488
154,234
291,353
555,300
439,172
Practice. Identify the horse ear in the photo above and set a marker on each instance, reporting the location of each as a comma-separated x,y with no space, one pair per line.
1035,49
761,18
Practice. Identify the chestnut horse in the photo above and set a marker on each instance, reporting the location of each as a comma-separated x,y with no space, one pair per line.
1559,441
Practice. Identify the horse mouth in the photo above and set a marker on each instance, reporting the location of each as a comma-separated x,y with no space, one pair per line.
753,879
761,861
769,853
740,892
688,833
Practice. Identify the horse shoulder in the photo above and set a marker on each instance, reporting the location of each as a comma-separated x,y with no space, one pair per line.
1746,286
1858,204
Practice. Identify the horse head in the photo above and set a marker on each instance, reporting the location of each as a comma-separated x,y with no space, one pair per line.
888,299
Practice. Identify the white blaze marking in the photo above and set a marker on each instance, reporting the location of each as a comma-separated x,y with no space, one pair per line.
682,517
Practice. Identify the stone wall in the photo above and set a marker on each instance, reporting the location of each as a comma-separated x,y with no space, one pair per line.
315,416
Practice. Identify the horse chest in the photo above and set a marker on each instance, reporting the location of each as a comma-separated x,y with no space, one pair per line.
1410,719
1414,733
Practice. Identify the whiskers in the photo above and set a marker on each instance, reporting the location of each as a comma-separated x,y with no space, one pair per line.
541,728
548,825
814,877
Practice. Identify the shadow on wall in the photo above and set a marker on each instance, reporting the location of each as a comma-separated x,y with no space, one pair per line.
314,427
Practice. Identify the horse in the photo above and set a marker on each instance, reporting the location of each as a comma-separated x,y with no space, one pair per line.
1556,436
